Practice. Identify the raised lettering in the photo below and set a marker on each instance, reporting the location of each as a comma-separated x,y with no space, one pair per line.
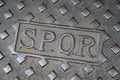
26,35
86,46
44,40
72,43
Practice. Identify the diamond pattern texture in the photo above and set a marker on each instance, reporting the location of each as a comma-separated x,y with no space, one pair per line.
95,14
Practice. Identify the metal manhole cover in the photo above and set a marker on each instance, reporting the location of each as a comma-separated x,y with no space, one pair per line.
59,40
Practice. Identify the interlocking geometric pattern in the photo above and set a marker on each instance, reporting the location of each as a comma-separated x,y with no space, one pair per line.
95,14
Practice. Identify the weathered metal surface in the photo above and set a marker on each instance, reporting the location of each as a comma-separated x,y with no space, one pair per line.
59,40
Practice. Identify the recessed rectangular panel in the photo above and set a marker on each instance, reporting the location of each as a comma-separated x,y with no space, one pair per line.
59,42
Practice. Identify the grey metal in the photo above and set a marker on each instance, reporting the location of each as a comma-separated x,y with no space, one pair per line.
59,39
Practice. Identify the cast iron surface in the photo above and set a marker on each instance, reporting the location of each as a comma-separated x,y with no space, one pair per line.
103,15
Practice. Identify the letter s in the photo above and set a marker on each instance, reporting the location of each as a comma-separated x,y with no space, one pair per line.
26,35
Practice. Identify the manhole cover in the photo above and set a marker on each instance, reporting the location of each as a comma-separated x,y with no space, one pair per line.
59,40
